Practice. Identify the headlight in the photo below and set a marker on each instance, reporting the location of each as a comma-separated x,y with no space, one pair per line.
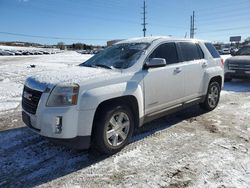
63,95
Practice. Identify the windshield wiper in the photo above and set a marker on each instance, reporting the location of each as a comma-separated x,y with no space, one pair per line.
85,65
102,65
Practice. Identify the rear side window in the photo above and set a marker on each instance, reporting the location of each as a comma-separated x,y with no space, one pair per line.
212,50
190,51
166,51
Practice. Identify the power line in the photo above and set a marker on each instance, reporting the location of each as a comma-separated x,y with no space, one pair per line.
227,17
226,29
223,6
208,10
228,34
203,16
52,37
81,16
222,21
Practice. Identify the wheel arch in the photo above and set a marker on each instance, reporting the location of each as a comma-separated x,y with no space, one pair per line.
213,74
216,79
128,100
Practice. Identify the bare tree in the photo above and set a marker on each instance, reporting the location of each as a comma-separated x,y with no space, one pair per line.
61,45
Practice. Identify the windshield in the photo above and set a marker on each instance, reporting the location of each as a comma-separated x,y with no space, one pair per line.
244,51
120,56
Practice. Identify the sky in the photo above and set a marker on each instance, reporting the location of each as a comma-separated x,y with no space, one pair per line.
97,21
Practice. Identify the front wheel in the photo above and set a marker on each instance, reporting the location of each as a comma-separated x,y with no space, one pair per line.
113,129
212,97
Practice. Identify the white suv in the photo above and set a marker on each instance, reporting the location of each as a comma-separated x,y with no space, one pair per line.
101,101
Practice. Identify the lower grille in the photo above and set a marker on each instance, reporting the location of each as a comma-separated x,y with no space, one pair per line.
30,99
239,66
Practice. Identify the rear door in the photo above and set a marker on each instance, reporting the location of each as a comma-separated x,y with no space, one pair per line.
164,86
194,65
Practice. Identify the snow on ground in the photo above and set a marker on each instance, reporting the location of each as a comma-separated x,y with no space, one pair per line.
14,70
191,148
2,47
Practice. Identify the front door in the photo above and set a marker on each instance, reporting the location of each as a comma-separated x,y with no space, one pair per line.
164,86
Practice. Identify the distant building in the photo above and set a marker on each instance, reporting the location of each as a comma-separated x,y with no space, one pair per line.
19,44
111,42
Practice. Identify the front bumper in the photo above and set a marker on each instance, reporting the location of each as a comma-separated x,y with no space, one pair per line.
76,126
237,74
79,142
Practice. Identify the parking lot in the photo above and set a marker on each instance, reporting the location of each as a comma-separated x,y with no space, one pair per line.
26,51
191,148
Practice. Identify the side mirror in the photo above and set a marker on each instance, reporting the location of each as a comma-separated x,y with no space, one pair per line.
155,62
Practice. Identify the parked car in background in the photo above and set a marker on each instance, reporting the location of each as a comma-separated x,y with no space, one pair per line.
233,51
18,52
238,66
225,51
46,52
101,101
8,52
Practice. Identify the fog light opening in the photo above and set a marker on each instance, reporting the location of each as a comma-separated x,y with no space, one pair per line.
58,128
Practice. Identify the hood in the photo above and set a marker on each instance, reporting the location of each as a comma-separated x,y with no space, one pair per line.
239,59
73,75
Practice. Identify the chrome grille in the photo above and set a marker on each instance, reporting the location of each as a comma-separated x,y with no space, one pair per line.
239,66
30,99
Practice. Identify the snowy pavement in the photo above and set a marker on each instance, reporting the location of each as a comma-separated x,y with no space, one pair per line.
188,149
15,69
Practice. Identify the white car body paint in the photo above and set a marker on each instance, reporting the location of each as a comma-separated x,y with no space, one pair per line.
154,89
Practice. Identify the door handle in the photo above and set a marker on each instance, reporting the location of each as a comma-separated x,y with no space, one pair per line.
177,70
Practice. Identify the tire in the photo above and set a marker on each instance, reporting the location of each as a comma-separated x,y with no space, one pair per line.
212,97
112,129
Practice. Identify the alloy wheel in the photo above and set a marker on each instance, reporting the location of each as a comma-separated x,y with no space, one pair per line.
213,96
118,129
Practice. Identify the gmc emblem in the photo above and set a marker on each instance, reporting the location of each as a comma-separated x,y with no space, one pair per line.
27,95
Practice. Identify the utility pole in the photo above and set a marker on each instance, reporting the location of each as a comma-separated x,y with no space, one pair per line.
144,19
193,23
192,26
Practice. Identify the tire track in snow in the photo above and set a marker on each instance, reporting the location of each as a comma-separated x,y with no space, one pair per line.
31,159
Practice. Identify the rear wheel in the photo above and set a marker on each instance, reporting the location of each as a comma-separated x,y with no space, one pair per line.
212,97
113,129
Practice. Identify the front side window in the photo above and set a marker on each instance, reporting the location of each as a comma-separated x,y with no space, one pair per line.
190,51
120,56
166,51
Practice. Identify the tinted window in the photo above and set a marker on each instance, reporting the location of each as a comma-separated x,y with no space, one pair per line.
244,51
212,50
190,51
166,51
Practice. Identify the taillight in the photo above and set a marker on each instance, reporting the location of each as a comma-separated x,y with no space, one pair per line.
222,62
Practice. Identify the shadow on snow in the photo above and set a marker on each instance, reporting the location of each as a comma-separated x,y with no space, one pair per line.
237,86
27,159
